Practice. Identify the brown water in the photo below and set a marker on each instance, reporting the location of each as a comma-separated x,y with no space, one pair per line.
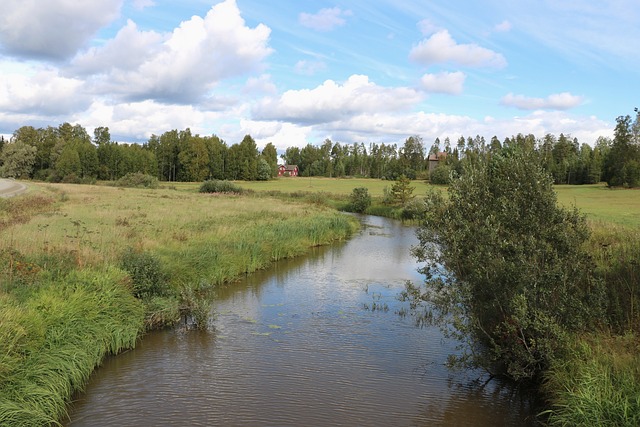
301,345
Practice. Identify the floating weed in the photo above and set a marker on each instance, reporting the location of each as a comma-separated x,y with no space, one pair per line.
261,334
274,327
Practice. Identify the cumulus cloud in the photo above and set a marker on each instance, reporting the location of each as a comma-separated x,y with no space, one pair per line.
558,101
332,101
451,83
261,84
325,19
180,67
44,91
442,48
52,29
427,28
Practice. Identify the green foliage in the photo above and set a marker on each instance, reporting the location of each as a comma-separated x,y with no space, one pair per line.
146,273
441,175
17,160
137,180
402,191
220,186
360,199
506,268
414,210
264,170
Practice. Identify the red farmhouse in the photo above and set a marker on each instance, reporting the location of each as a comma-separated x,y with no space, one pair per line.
287,170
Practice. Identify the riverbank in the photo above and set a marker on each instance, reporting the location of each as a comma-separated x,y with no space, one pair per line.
87,269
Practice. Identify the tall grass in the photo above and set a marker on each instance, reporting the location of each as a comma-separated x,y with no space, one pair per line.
73,258
596,384
51,343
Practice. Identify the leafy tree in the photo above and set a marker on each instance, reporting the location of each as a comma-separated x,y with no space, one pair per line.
360,199
506,270
264,170
68,162
270,154
17,160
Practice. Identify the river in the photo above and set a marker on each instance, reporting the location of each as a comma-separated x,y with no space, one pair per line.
314,341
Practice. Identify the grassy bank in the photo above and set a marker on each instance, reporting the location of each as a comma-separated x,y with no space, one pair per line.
86,269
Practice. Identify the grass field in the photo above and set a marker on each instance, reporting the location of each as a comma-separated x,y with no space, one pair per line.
598,202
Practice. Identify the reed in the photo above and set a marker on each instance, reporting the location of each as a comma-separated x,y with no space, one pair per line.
597,383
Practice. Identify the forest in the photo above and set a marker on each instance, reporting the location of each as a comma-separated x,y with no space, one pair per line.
67,153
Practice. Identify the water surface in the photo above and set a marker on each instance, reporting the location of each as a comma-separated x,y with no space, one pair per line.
315,341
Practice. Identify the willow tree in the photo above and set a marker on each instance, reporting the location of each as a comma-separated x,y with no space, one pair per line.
505,266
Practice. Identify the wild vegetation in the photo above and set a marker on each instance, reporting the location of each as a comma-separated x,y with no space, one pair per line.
87,269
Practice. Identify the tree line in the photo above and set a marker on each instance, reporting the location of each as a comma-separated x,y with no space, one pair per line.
68,153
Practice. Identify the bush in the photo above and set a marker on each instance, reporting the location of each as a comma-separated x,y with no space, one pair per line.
414,210
146,273
360,199
137,180
220,186
441,175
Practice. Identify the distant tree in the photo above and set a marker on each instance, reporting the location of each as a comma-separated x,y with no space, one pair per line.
270,154
623,150
17,160
360,199
402,191
264,170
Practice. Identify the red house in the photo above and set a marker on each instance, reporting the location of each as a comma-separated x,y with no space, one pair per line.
287,170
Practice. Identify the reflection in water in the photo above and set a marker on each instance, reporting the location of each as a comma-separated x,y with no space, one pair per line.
296,346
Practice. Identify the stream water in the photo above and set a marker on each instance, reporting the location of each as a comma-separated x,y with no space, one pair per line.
314,341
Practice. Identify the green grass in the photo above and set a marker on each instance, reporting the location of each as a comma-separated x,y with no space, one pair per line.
602,204
337,186
596,384
66,300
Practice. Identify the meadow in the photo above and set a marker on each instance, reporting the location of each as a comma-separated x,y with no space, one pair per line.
86,270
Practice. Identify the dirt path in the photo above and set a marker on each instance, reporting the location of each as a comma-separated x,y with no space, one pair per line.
9,188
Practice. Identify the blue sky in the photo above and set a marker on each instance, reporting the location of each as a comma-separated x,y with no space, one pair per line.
292,72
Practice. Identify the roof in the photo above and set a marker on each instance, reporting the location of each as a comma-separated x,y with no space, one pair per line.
438,156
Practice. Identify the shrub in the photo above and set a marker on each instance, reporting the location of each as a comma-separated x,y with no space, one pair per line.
146,273
414,210
360,199
137,180
220,186
441,175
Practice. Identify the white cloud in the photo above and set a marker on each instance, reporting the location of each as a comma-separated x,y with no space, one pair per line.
558,101
309,68
52,29
442,48
261,84
325,19
427,28
503,27
451,83
44,91
127,51
332,101
180,67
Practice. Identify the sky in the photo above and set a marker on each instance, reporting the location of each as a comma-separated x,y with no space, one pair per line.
297,72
